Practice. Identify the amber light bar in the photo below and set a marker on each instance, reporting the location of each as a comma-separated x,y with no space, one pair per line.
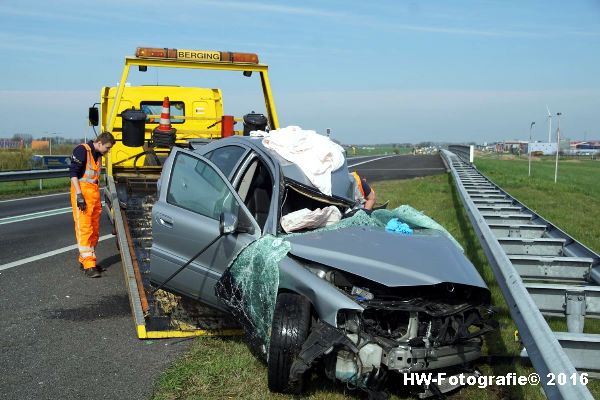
196,55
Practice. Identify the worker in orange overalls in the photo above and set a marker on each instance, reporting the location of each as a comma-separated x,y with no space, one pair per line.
363,192
86,162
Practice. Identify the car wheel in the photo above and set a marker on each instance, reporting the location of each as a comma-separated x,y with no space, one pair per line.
291,325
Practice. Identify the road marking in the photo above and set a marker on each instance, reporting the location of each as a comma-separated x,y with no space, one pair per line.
368,161
34,197
46,255
40,214
404,169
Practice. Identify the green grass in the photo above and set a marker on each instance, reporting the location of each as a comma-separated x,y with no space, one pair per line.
21,159
15,159
32,188
224,368
375,150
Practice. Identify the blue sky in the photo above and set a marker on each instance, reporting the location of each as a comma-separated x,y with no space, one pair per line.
373,72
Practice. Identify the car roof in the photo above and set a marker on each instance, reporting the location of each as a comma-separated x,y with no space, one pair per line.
341,184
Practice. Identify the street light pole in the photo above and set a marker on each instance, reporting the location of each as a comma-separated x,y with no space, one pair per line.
52,133
529,145
557,145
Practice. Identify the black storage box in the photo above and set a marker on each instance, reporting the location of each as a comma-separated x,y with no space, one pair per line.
134,125
254,122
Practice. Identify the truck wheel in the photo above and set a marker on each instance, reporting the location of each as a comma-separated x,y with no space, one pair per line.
291,325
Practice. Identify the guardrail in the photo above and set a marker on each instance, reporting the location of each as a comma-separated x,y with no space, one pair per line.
466,153
11,176
541,271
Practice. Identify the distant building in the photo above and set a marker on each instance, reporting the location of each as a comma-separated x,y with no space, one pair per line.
587,145
11,144
543,148
39,144
512,146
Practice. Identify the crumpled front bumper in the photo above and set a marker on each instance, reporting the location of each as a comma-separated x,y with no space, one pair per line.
324,339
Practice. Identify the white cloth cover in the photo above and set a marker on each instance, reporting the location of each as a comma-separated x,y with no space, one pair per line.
316,155
259,134
307,219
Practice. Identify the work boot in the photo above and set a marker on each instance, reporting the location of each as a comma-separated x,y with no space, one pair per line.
98,267
92,273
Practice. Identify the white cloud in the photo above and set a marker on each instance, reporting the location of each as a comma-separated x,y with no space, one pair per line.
273,8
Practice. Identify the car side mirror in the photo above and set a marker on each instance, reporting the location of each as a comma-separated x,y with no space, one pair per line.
244,224
228,223
231,223
93,116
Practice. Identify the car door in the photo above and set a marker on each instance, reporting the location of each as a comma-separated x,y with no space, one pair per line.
185,219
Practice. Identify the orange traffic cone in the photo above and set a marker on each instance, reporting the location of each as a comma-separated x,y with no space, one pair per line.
165,116
164,135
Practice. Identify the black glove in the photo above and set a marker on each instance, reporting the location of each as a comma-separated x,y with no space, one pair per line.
81,202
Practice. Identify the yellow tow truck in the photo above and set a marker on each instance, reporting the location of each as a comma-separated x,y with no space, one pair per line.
197,115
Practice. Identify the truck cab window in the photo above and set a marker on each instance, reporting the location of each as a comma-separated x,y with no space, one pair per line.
177,109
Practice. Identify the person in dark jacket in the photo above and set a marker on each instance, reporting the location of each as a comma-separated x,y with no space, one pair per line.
86,163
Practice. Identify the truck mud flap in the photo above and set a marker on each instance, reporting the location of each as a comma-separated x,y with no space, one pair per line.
162,314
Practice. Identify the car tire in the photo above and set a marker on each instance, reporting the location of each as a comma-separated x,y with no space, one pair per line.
291,325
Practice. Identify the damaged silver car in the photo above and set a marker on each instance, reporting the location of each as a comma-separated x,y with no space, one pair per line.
352,300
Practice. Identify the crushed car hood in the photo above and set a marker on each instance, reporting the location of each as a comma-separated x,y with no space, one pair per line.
388,258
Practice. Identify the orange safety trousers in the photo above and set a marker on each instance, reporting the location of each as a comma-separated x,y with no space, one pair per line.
87,223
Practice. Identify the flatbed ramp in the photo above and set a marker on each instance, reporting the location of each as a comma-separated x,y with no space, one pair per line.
161,314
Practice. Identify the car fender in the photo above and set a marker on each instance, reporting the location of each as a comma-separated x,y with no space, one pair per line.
326,299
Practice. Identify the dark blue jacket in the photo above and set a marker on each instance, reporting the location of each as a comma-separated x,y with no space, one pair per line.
79,159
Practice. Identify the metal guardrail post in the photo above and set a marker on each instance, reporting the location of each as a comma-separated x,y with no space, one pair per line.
543,348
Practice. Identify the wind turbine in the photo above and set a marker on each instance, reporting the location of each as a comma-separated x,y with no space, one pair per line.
549,124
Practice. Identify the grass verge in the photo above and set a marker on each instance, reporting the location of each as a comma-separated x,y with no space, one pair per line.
224,368
15,189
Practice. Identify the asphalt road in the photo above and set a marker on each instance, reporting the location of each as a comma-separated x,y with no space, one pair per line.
9,208
22,237
398,167
70,337
64,335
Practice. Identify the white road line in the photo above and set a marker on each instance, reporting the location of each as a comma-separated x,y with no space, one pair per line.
368,161
40,214
405,169
45,255
34,197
